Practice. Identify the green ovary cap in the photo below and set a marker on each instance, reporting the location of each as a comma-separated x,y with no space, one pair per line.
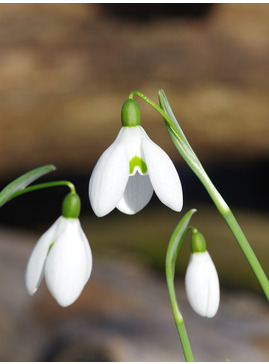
130,113
198,243
71,206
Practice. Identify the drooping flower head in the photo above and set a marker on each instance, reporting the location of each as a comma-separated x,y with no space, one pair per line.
201,279
62,255
131,168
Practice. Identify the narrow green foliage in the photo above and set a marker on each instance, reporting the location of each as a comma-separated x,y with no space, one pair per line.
171,257
23,181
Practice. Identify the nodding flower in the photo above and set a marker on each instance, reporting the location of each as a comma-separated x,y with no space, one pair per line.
62,255
128,172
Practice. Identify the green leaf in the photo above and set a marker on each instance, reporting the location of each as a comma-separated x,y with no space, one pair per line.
177,135
176,241
23,181
168,111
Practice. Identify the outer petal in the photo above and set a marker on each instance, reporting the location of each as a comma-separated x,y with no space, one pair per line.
202,284
69,264
137,194
35,266
163,174
109,178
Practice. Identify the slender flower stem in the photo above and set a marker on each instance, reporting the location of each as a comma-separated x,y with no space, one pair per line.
192,160
231,221
155,106
44,185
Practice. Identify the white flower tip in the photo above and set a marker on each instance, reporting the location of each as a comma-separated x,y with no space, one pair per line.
98,210
175,201
65,301
68,296
31,291
178,202
202,285
32,281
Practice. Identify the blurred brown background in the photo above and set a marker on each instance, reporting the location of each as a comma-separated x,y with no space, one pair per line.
65,70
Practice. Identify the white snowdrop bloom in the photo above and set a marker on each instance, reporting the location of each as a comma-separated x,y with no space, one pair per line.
130,169
202,284
63,256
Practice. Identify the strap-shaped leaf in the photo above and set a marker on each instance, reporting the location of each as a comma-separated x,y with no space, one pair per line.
23,181
168,110
176,241
171,256
177,135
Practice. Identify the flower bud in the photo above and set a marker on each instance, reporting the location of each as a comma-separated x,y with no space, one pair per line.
201,279
130,113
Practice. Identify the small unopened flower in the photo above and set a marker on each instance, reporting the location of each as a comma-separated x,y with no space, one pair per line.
201,282
131,168
63,256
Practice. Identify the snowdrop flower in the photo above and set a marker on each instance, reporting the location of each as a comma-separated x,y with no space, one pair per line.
62,255
201,279
131,168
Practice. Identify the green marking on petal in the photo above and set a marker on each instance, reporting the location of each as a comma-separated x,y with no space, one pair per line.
137,162
50,248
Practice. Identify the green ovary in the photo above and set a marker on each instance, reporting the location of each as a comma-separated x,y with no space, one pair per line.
137,162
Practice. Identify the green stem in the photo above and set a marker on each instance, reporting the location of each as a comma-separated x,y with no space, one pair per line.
240,237
44,185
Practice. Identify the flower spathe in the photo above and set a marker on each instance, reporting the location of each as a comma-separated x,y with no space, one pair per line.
202,284
127,173
63,256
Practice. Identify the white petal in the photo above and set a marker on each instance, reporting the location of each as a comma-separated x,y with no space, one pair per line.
163,175
109,178
202,284
69,264
35,266
137,194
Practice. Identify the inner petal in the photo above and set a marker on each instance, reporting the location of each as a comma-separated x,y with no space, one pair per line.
137,194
